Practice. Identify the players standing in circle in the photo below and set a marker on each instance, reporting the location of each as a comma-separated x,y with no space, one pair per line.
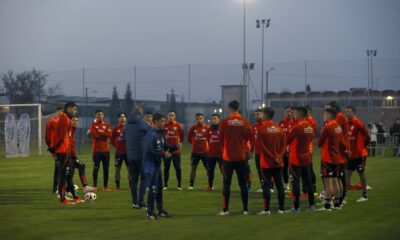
155,148
259,117
299,139
286,124
359,139
197,137
331,141
235,134
214,149
118,141
272,146
173,134
100,132
61,147
51,125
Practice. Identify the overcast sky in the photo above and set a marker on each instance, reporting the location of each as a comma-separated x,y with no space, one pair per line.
96,34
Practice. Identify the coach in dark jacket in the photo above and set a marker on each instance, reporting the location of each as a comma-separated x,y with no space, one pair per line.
135,130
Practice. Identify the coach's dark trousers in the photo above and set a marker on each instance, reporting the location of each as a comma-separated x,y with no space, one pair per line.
227,171
136,172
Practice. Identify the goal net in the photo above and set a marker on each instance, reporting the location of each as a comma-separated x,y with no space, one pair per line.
22,129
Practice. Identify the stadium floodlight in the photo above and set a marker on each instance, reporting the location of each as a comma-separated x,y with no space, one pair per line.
262,24
389,98
251,67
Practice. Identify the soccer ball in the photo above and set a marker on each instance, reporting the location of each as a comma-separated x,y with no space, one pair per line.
90,196
322,196
76,187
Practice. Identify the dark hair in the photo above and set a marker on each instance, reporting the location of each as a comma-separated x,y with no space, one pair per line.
331,111
120,114
302,110
288,107
269,112
99,111
69,104
335,106
234,105
216,115
171,111
59,108
258,110
158,117
353,109
148,113
199,114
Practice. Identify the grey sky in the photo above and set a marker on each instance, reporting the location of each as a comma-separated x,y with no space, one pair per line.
61,35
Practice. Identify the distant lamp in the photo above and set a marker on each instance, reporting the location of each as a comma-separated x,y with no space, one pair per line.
389,98
220,110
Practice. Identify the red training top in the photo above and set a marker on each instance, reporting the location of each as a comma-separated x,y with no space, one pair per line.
299,139
101,132
235,134
197,136
272,142
331,140
359,138
173,135
214,143
118,139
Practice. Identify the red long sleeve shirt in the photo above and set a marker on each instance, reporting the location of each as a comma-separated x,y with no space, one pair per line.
173,135
118,139
197,136
299,139
62,134
331,141
214,143
272,142
50,129
255,145
235,134
101,132
286,125
314,126
359,138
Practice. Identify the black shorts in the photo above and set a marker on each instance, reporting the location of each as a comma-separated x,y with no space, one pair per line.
356,164
119,159
341,170
197,157
329,170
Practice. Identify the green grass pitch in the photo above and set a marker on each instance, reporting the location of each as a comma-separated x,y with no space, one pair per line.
29,211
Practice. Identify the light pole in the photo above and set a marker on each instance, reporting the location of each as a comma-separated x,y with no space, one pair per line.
371,53
266,85
262,24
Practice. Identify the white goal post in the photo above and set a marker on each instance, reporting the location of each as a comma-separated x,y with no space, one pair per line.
25,123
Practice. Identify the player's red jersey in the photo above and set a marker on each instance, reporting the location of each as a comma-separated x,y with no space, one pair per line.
50,128
235,134
331,141
299,139
344,124
197,136
101,132
359,138
214,143
314,126
173,134
286,125
255,146
118,139
62,134
272,142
